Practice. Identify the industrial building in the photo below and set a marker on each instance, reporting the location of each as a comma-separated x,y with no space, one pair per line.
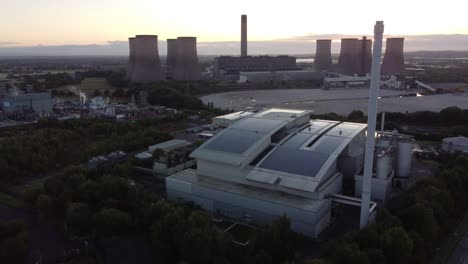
392,165
455,144
41,103
227,67
394,62
323,58
229,119
147,65
273,163
275,76
187,66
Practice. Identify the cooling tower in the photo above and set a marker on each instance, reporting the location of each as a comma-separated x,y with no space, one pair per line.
187,67
394,61
244,36
365,56
131,59
348,62
171,57
323,58
147,64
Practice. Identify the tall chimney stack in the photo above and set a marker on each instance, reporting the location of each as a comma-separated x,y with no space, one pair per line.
244,36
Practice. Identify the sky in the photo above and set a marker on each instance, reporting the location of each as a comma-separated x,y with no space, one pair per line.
27,23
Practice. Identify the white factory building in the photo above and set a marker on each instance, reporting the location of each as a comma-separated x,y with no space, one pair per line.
455,144
272,163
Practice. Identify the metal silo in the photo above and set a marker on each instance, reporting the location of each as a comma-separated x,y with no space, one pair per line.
383,166
403,162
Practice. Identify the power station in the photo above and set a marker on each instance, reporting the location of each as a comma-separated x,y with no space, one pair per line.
394,61
171,57
187,67
147,66
131,59
323,57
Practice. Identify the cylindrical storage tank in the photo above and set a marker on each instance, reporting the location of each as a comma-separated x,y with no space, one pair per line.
187,66
171,57
384,142
394,61
404,153
348,62
323,57
147,63
383,166
131,59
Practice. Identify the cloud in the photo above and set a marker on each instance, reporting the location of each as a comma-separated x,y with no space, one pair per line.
7,43
295,45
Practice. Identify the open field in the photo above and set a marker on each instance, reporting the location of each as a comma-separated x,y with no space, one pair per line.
340,101
3,76
89,85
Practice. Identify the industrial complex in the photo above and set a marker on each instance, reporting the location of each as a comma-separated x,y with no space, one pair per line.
280,161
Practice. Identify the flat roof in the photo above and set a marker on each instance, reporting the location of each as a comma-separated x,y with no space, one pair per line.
236,115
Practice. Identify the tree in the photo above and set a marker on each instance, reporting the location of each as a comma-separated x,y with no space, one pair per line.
111,221
78,217
396,245
356,115
44,203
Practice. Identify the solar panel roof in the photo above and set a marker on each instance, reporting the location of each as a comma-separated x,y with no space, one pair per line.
328,144
297,140
234,141
295,161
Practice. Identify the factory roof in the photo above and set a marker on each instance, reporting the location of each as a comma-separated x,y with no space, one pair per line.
456,141
300,159
236,115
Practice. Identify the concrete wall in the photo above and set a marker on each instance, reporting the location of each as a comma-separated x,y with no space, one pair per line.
240,207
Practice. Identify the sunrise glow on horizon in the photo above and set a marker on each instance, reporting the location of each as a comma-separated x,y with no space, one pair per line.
65,22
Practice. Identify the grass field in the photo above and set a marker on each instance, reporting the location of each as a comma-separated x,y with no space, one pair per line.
3,76
89,85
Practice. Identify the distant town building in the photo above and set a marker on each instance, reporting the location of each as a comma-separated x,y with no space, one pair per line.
454,144
40,103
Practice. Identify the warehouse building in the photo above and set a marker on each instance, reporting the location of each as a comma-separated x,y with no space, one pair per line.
272,163
455,144
41,103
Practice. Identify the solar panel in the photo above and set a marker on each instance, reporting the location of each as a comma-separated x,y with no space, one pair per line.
234,141
296,161
328,144
256,124
297,140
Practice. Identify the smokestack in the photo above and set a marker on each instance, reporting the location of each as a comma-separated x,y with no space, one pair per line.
348,62
244,36
365,56
171,57
371,122
323,58
131,59
394,61
147,64
187,67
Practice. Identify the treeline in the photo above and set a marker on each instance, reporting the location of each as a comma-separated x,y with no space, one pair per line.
415,223
55,144
101,204
443,75
451,121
